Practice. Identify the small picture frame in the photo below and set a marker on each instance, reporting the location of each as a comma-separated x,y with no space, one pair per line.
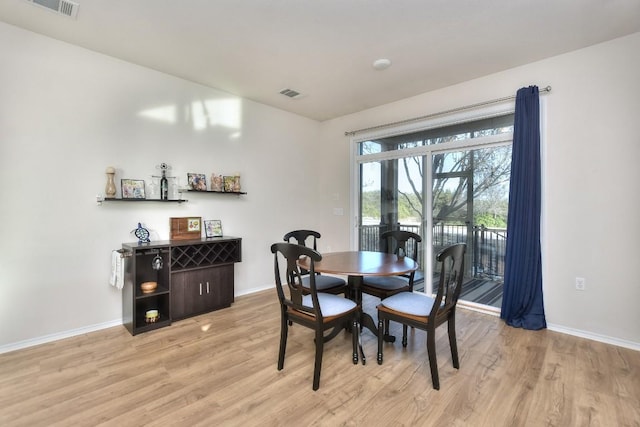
193,225
213,228
197,181
132,188
229,184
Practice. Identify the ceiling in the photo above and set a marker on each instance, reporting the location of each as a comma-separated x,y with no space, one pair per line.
324,49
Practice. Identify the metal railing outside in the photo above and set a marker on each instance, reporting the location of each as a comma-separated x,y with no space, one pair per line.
487,246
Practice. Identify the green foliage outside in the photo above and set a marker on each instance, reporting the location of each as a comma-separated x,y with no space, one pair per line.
491,214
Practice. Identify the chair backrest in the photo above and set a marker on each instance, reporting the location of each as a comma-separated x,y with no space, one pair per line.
289,255
301,236
451,261
396,243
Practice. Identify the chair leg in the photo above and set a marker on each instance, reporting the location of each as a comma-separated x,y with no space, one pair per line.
451,325
284,330
356,341
433,363
404,335
318,363
380,339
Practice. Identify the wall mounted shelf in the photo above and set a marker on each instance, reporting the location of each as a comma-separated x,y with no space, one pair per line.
237,193
101,199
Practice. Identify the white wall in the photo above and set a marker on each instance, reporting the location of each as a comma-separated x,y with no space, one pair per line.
67,113
591,201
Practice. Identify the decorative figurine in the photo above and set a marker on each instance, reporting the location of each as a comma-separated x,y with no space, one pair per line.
110,190
142,234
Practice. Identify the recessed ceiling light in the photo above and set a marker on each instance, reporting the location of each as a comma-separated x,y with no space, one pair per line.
381,64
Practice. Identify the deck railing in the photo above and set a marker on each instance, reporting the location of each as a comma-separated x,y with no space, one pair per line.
485,251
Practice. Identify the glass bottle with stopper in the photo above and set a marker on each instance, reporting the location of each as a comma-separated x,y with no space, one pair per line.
164,181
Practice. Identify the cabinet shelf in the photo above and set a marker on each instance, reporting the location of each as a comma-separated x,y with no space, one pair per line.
158,291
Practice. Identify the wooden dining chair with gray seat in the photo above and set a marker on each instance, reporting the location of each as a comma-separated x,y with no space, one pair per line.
401,243
324,283
309,307
427,313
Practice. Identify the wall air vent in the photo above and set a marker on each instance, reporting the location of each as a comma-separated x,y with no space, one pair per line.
294,94
61,7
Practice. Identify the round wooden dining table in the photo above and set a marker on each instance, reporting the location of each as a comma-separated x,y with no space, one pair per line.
356,265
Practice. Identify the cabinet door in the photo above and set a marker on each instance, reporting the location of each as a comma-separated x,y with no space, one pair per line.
187,294
218,286
178,307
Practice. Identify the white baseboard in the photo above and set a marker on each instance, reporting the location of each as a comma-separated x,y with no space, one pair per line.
558,328
58,336
254,290
594,337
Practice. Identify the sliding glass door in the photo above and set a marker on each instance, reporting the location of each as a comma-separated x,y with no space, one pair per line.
470,195
461,179
391,199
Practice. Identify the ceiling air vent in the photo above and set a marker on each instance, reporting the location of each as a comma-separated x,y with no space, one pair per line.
61,7
291,93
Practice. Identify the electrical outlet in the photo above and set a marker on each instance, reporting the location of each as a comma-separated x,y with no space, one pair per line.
580,283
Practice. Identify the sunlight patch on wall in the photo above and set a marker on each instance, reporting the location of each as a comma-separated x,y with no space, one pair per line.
163,114
216,112
201,114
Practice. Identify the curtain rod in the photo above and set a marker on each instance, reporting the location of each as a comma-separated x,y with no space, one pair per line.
428,116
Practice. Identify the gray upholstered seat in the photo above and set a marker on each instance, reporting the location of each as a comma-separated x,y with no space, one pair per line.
324,283
330,305
388,283
412,303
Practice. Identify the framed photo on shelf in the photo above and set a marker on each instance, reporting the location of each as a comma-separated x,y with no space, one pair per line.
232,184
197,181
213,228
132,188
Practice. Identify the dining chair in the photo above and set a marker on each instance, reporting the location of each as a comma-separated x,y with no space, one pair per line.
308,307
427,313
396,242
324,283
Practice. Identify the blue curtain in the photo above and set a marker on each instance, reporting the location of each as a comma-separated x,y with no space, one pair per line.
522,303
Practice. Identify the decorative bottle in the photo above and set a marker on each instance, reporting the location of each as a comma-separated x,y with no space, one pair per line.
164,186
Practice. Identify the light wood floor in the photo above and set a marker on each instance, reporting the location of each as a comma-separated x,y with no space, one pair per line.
220,369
